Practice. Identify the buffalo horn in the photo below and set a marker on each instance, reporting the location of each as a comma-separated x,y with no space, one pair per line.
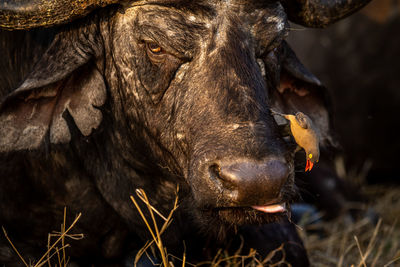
26,14
320,13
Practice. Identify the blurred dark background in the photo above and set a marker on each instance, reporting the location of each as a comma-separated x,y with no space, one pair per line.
358,60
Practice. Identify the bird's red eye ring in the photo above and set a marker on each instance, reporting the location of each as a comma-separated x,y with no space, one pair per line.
154,48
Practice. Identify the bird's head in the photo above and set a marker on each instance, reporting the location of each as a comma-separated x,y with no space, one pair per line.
312,157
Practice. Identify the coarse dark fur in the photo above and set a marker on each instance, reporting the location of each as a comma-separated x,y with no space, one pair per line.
100,115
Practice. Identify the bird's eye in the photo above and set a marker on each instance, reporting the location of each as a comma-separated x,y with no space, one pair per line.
310,156
154,48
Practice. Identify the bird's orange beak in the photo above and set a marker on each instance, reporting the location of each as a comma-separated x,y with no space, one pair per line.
309,165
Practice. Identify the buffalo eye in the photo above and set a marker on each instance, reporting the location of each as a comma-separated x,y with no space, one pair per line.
155,52
154,48
157,68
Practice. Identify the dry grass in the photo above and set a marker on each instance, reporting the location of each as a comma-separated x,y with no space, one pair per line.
167,260
55,254
153,227
345,242
373,240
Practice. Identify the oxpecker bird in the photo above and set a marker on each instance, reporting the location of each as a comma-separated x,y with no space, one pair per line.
305,135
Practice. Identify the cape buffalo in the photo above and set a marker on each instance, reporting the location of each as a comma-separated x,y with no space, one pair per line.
100,98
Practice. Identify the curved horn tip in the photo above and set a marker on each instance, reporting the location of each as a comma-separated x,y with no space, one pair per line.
321,13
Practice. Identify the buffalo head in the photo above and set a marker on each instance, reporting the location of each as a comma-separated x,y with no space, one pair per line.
154,93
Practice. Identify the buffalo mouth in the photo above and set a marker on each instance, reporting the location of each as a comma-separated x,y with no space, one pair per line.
244,215
274,208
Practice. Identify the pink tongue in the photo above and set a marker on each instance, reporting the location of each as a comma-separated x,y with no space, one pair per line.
271,208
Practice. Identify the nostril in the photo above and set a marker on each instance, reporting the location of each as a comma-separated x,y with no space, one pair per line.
220,178
214,170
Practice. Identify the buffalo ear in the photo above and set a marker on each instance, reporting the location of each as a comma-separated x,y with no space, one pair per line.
64,80
300,90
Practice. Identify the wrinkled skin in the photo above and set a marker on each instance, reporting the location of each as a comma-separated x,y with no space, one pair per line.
102,115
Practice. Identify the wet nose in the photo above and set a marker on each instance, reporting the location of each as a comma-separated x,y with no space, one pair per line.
247,183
